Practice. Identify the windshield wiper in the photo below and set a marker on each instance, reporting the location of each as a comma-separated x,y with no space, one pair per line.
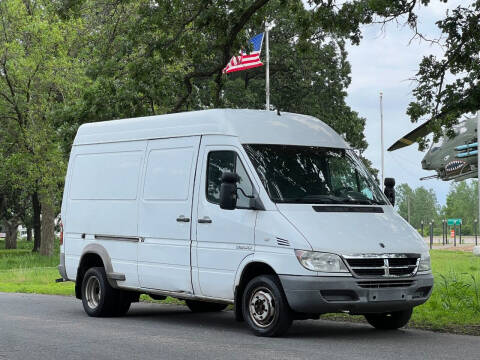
329,199
313,199
351,200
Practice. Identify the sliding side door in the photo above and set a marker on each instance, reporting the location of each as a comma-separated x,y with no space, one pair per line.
165,214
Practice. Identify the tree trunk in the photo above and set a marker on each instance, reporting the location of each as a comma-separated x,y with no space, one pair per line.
11,234
29,233
48,228
37,209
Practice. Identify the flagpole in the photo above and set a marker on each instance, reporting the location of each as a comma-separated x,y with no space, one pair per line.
381,138
267,69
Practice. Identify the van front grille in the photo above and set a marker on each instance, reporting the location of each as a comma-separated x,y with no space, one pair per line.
386,265
377,284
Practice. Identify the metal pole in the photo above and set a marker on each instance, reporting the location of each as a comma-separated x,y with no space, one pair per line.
381,137
446,229
443,232
433,224
460,232
455,234
421,226
478,167
476,222
267,69
431,235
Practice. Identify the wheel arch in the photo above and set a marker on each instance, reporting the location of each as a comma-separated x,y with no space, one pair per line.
248,269
93,255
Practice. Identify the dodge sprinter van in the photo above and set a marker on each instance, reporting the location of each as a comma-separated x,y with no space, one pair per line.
272,213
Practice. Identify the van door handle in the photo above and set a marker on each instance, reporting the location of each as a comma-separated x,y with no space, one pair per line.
182,218
205,220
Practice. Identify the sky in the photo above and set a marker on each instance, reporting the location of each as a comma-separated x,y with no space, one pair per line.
385,61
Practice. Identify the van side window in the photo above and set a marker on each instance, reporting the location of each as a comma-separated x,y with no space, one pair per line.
226,161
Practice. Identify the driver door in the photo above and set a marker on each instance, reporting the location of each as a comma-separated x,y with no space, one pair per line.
223,237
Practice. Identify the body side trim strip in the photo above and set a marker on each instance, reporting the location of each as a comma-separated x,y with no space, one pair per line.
118,238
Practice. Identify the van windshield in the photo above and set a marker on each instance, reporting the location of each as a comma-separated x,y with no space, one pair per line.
309,174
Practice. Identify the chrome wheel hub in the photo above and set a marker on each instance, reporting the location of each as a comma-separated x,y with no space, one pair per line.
262,307
93,292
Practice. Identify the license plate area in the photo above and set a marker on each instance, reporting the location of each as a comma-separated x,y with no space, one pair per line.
387,295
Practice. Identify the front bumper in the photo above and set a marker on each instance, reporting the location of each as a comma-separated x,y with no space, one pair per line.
319,295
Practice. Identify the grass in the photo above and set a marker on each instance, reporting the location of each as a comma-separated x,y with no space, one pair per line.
455,301
454,305
27,272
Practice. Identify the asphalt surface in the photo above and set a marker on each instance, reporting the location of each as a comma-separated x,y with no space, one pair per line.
54,327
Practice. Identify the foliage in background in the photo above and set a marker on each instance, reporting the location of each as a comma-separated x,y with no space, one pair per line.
462,203
141,62
423,205
63,63
39,73
447,86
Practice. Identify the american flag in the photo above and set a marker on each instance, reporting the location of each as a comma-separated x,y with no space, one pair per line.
246,61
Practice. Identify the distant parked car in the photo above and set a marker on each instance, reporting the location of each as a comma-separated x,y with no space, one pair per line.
22,232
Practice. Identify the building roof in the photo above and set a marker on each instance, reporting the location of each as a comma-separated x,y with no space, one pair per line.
250,126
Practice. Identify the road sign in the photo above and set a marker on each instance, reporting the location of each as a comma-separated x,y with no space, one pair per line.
452,222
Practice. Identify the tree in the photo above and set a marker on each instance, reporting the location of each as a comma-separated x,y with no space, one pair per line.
404,195
435,97
141,62
38,72
462,203
312,80
417,205
12,209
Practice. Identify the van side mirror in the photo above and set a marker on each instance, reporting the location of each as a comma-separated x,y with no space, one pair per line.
228,191
389,190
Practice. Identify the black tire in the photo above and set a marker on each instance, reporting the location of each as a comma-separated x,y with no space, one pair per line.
98,297
123,305
265,307
204,306
389,321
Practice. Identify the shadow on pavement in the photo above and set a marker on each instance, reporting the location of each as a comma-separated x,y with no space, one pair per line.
325,329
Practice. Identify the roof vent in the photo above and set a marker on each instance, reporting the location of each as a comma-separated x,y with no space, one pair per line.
282,242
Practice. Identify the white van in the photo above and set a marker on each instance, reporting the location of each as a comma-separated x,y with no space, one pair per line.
272,213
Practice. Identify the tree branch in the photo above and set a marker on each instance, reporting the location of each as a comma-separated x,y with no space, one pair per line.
232,35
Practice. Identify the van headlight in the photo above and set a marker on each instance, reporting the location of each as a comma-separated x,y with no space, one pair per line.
322,262
424,264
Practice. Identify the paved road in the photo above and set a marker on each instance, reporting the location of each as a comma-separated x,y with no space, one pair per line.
55,327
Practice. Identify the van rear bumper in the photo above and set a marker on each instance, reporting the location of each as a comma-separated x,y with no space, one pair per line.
61,267
319,295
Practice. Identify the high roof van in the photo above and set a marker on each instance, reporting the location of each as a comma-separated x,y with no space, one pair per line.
273,213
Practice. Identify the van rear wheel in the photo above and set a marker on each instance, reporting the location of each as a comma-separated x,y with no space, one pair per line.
389,321
204,306
98,297
265,307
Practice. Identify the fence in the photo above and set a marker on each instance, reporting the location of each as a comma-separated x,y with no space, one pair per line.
451,234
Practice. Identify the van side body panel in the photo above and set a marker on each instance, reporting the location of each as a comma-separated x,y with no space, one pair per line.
102,205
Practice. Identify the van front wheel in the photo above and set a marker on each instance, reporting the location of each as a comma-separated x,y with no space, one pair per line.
389,321
265,307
